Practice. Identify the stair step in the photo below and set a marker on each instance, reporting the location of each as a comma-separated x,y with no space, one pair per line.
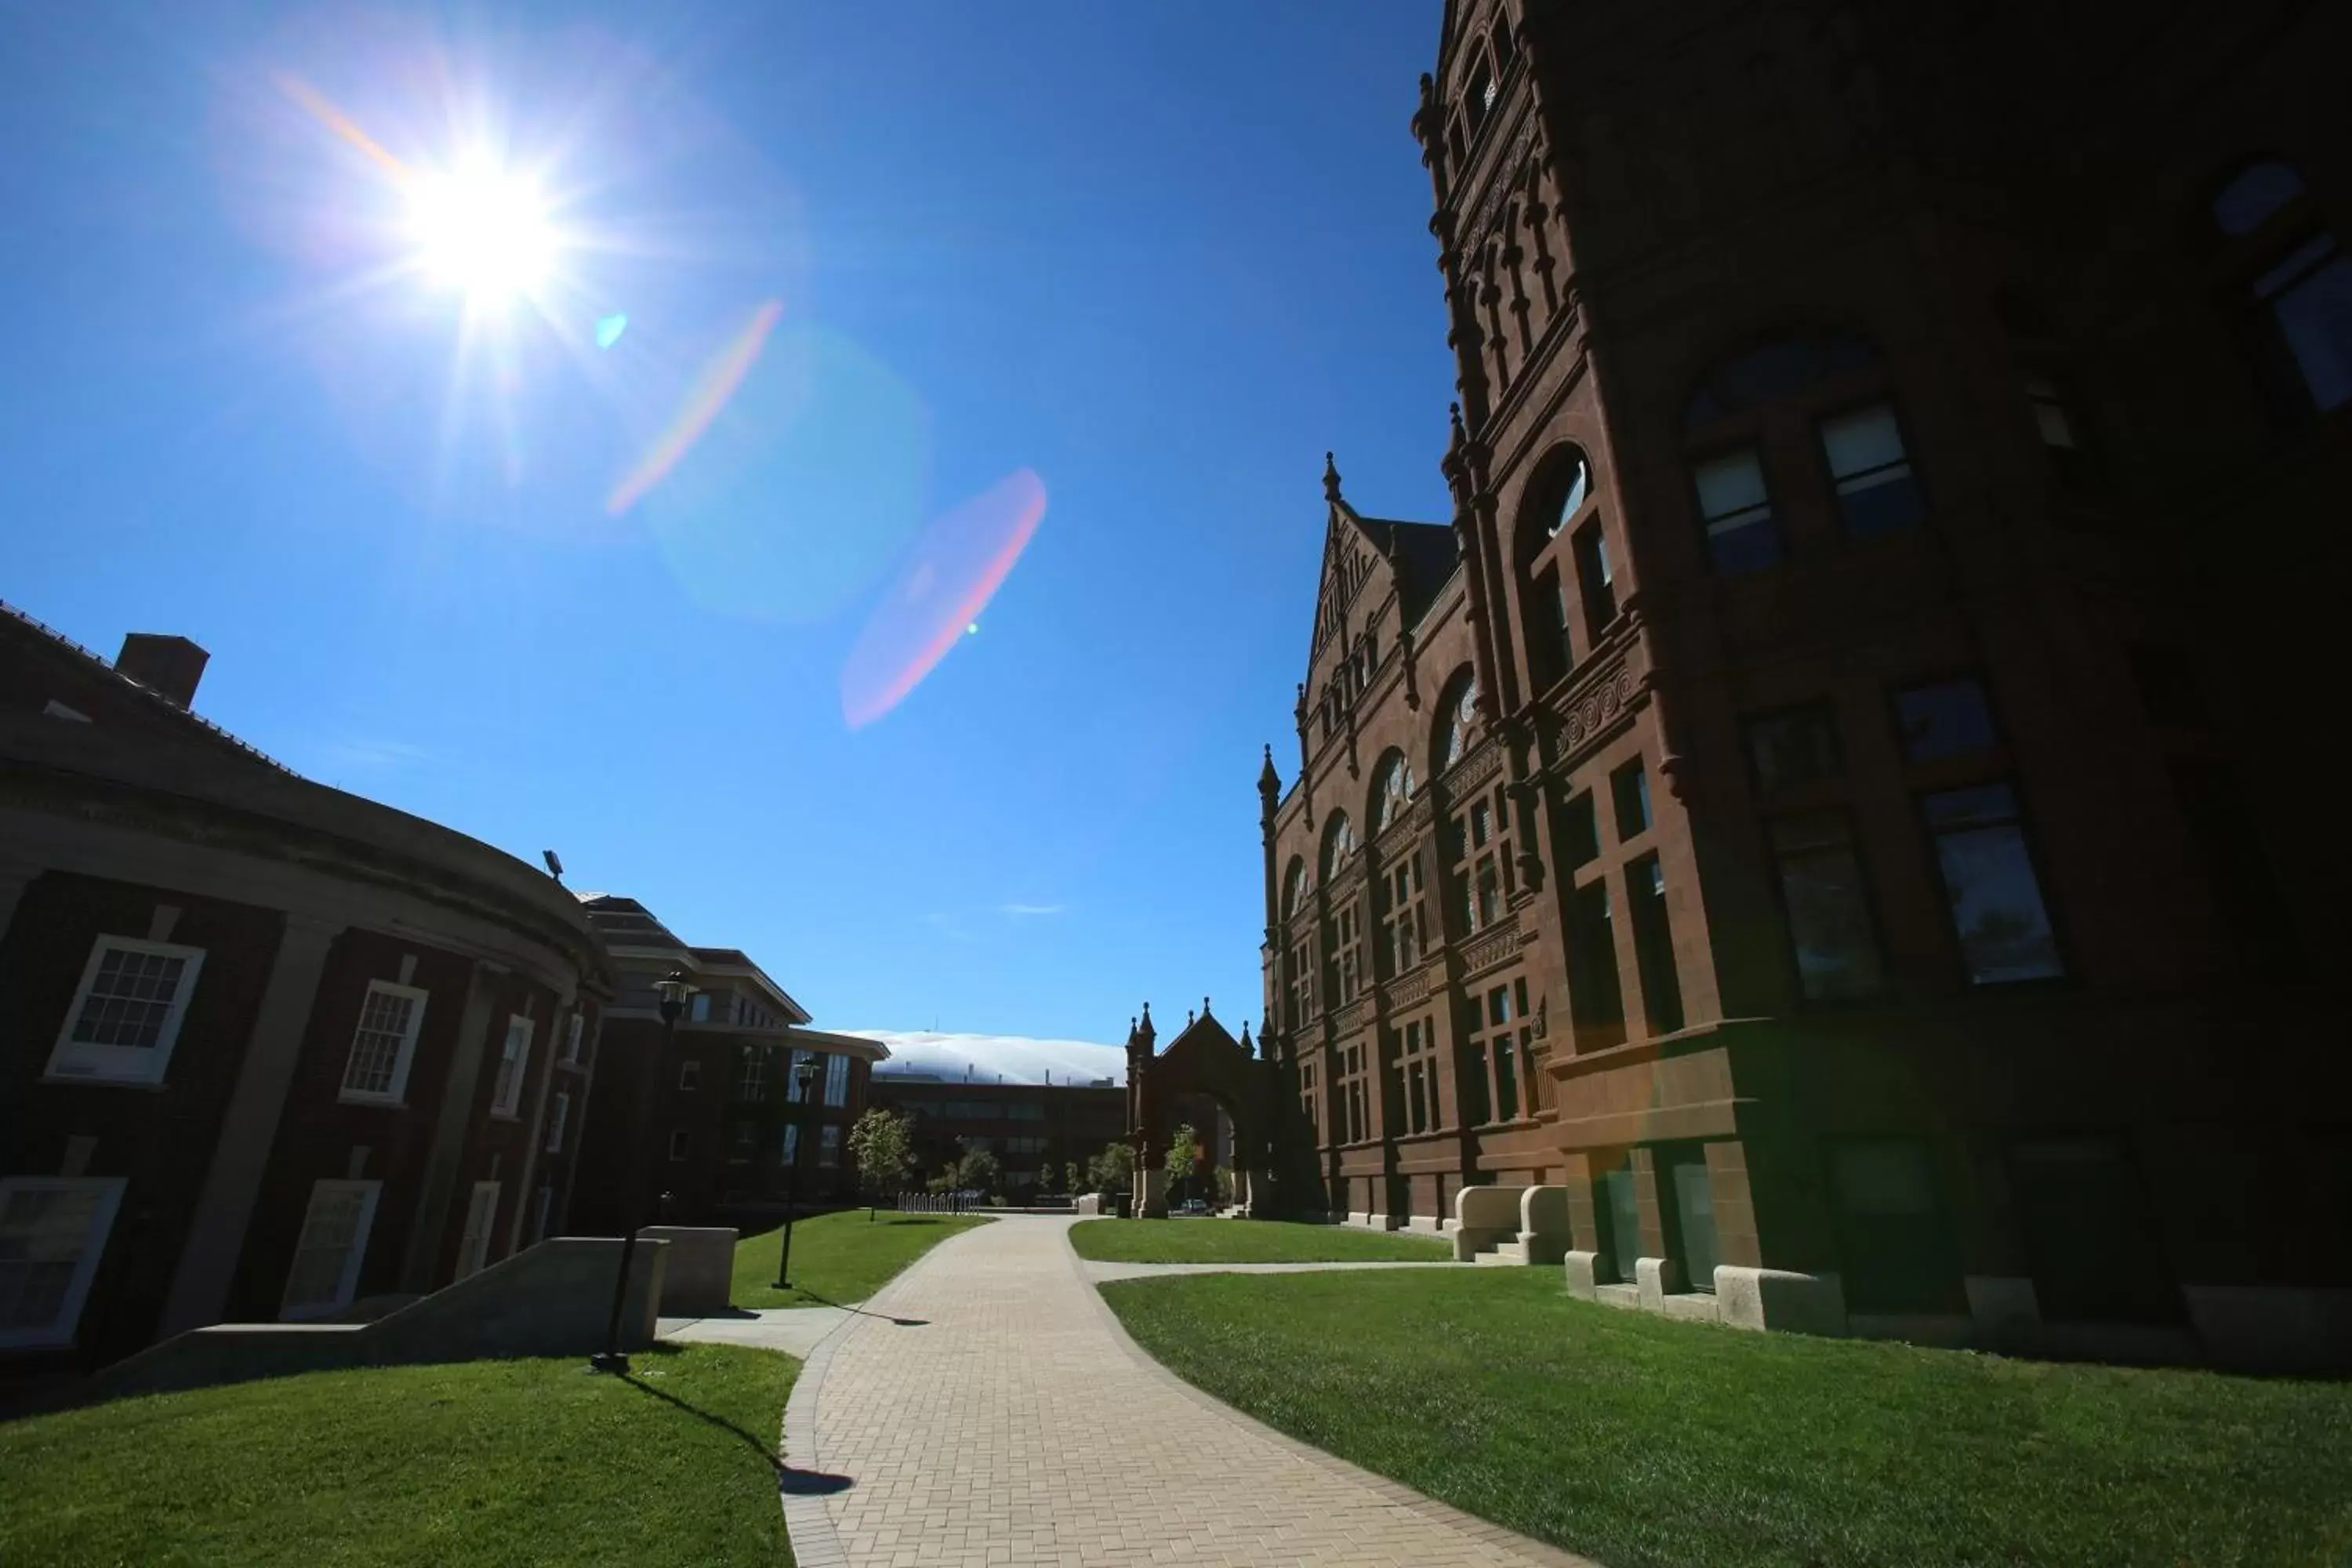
1509,1255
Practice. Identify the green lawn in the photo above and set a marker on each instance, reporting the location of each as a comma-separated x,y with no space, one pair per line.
1245,1241
839,1258
497,1462
1641,1442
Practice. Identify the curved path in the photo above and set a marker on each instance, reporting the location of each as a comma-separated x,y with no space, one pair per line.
987,1408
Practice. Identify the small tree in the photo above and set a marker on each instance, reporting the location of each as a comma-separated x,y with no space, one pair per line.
1075,1179
1184,1153
1113,1169
978,1172
881,1147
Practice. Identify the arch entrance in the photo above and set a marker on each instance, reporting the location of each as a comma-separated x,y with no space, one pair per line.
1204,1067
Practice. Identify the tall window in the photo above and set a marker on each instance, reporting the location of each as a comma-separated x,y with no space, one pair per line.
1596,998
1392,791
1308,1104
750,1073
333,1243
1473,1082
2299,298
481,1223
1871,473
837,1080
1576,488
1294,887
792,1075
1418,1071
828,1146
1343,953
1653,944
1629,786
514,1056
1300,996
573,1035
1507,1050
1595,580
1742,534
53,1230
1403,927
126,1013
558,1115
1460,716
689,1074
1989,880
382,1044
1479,848
1797,765
1352,1094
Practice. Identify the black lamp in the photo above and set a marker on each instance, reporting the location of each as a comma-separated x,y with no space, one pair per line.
805,1074
670,993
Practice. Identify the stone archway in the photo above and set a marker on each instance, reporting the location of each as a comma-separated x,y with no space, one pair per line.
1202,1060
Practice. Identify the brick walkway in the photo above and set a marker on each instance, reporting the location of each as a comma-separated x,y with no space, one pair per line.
1018,1424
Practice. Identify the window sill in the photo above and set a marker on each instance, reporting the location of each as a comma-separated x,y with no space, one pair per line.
498,1115
100,1080
377,1101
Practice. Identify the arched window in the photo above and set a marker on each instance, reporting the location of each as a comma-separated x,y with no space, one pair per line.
1294,887
1823,381
1457,713
2298,323
1339,843
1571,482
1391,790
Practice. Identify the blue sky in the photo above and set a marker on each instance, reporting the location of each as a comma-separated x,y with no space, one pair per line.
1159,256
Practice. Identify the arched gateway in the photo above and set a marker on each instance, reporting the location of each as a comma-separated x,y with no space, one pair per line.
1203,1061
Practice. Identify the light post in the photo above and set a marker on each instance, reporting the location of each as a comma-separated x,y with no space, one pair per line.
805,1077
672,990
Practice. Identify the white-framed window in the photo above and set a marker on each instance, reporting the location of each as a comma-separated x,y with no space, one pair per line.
333,1243
539,1208
126,1014
481,1216
689,1074
557,1115
837,1080
383,1044
571,1038
513,1057
53,1230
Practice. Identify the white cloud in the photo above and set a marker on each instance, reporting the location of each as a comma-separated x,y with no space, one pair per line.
1017,1057
1018,909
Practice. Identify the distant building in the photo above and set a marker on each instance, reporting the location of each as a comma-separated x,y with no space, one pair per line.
1828,798
1029,1127
267,1050
716,1127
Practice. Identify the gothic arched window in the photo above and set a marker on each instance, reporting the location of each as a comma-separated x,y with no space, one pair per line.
1391,790
1294,887
1457,713
1339,843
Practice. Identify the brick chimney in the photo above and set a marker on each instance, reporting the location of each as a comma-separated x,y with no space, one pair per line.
168,666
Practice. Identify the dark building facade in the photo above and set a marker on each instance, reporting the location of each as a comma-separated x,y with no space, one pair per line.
1031,1128
268,1049
1817,802
714,1127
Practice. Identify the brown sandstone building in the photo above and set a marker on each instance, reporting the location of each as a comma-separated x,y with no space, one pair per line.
267,1050
1834,803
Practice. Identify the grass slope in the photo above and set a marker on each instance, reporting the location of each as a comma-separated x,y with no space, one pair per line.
839,1258
499,1462
1245,1241
1643,1442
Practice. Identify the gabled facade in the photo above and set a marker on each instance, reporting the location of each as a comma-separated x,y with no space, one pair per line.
1822,825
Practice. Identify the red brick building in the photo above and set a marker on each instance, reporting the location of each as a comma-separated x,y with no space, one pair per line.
715,1126
268,1049
1036,1131
1827,799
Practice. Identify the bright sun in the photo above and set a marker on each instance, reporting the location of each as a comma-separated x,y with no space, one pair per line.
485,231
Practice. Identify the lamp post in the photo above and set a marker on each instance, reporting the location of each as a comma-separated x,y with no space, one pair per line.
671,991
804,1076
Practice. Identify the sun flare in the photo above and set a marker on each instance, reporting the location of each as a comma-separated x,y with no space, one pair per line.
484,231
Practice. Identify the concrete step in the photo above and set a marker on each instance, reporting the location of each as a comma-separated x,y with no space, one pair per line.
1508,1254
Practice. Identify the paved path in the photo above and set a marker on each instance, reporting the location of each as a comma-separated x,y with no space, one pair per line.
795,1331
998,1414
1099,1271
